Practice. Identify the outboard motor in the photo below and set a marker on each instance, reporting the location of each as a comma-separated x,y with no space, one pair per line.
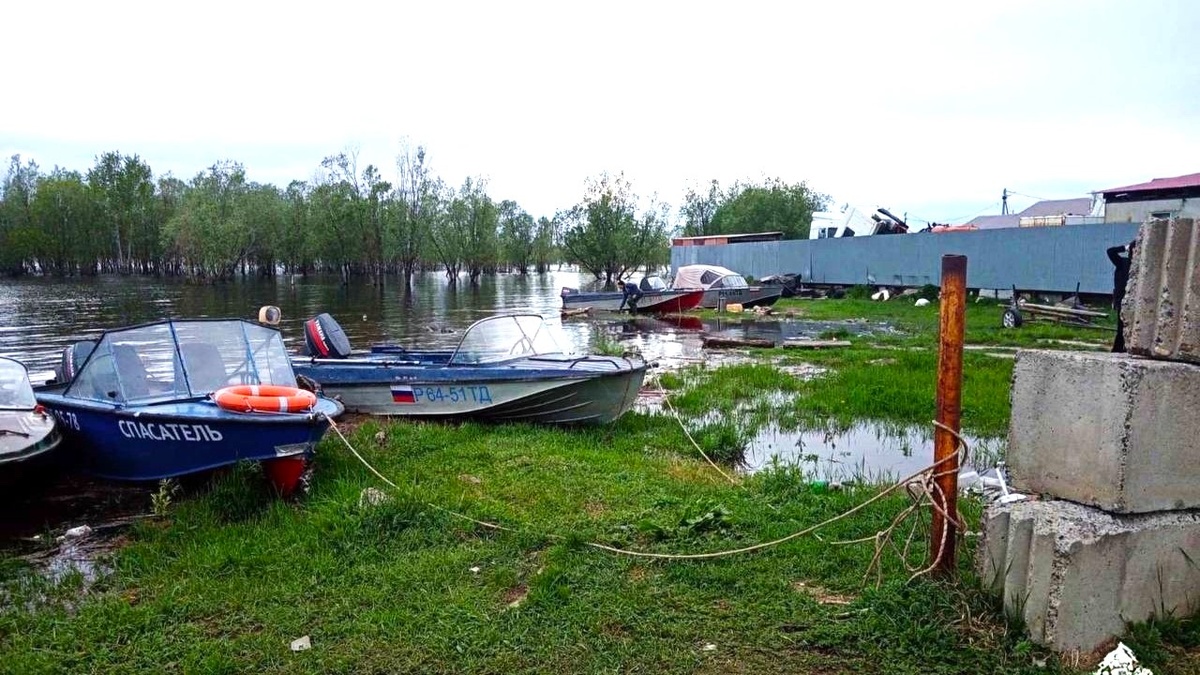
325,339
73,356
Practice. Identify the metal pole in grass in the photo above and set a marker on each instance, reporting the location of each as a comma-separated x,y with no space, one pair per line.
949,408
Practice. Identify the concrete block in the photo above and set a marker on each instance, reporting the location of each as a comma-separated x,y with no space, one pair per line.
1161,309
1109,430
1076,574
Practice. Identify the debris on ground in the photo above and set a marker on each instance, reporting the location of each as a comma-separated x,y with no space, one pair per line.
76,532
302,643
921,302
372,497
1121,661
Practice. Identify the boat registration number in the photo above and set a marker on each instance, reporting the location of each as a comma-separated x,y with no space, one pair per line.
423,394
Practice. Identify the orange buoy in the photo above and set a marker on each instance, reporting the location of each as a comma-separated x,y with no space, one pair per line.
264,398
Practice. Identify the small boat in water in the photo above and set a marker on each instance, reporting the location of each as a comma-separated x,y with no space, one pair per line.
178,397
650,295
27,433
507,368
723,286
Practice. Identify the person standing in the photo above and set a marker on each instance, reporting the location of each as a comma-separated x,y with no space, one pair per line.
1120,280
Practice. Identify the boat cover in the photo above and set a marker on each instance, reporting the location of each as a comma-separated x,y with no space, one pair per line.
705,276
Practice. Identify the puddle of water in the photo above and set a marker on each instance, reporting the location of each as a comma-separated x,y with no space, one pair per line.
865,452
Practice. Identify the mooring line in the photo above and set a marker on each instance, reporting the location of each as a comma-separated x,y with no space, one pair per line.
960,452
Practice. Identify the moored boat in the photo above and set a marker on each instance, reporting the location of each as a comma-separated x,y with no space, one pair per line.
507,368
27,433
723,286
152,401
650,295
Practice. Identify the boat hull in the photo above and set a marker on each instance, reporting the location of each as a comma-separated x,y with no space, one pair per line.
37,437
584,395
650,302
753,296
151,442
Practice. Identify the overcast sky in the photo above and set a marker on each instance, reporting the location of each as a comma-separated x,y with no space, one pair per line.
929,108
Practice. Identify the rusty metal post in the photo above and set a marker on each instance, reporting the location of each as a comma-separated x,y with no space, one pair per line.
949,409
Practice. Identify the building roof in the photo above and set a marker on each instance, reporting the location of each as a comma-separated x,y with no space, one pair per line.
1059,207
727,238
1174,183
995,222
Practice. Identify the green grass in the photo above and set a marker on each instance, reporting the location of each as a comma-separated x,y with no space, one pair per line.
231,575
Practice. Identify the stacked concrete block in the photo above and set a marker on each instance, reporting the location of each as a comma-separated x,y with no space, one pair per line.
1161,309
1076,574
1107,430
1109,447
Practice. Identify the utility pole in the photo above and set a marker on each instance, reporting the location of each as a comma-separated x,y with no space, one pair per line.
1004,202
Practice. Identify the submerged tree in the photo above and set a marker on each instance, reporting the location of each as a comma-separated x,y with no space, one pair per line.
604,234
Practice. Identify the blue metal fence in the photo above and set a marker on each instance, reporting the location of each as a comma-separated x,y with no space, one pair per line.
1052,259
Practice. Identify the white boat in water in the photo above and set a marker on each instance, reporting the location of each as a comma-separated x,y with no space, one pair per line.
508,368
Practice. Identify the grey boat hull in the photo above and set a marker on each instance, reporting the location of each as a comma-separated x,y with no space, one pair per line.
598,399
754,296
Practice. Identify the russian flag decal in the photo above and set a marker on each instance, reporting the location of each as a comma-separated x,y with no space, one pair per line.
403,394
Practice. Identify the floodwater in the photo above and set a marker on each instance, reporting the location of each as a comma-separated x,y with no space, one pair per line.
39,317
865,452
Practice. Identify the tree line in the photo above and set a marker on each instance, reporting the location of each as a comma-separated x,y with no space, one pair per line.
118,217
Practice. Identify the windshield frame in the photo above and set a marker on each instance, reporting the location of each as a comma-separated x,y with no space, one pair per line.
535,339
24,379
267,361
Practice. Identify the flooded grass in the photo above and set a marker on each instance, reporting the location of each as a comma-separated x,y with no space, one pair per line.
230,576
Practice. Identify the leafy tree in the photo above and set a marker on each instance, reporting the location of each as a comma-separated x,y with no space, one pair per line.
124,191
62,213
769,207
543,245
18,236
699,208
518,236
604,234
417,198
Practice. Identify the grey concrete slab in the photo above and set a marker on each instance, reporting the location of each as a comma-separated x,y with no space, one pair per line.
1161,309
1077,574
1110,430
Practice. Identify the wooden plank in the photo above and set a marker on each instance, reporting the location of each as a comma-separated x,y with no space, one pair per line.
575,312
815,344
715,342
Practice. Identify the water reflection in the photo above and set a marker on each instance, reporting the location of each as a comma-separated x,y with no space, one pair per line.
869,452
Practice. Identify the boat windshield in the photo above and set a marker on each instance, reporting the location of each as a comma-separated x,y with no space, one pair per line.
181,359
652,284
15,391
731,281
501,338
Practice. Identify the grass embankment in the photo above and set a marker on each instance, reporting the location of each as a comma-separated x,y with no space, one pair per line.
230,576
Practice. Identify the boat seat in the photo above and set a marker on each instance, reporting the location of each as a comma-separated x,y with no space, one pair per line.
205,367
135,380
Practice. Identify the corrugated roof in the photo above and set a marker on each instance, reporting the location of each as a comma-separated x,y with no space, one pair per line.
1190,180
1059,207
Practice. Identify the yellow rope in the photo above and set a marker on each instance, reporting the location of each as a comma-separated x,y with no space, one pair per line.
684,556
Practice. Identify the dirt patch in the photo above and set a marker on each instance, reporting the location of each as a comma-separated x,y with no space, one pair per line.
514,596
595,509
822,595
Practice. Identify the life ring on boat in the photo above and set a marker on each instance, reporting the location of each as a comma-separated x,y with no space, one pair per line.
264,398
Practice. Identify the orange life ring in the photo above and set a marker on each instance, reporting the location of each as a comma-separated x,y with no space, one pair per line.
264,398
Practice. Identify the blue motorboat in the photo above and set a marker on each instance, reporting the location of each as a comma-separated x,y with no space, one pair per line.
28,434
142,404
506,368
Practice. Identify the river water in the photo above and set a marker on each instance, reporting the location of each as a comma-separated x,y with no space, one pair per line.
39,317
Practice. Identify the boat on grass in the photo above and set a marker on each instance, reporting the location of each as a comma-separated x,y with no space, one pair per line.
723,286
651,296
506,368
171,398
28,434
